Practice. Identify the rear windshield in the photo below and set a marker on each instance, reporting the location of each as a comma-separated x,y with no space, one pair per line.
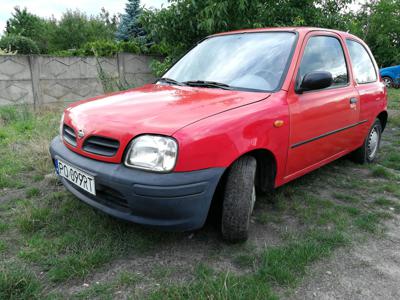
255,61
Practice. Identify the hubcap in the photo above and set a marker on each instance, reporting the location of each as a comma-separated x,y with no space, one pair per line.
387,82
373,142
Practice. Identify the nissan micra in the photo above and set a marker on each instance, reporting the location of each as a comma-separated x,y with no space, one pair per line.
244,111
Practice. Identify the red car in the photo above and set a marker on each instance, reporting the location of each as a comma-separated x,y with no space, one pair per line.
247,111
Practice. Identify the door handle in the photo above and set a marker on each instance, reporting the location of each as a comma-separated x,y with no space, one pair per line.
353,100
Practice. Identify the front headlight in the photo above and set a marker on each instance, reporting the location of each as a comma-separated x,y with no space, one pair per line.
61,125
152,152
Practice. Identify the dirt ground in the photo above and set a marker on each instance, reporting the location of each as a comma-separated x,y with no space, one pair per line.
370,270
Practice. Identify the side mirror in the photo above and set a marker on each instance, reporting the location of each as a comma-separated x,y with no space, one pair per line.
315,81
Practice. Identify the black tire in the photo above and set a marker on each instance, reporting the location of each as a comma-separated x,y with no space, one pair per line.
364,154
388,81
239,199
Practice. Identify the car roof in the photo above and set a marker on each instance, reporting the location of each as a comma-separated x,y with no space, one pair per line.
303,30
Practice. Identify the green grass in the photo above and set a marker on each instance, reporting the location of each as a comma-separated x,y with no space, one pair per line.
3,246
17,282
24,140
346,197
3,226
381,172
209,284
285,265
394,99
32,192
88,239
108,290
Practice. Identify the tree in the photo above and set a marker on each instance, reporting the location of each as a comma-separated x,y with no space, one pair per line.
75,29
23,23
184,22
130,26
378,23
20,44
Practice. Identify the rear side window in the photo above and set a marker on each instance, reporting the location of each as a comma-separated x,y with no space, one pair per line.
324,53
363,67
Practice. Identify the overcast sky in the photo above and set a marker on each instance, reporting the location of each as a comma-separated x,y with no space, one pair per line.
48,8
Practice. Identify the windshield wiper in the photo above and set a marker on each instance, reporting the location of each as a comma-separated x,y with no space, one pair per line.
205,83
170,81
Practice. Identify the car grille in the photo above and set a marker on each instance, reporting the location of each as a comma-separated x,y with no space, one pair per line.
69,135
101,146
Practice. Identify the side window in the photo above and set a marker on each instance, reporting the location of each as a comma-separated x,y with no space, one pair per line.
324,53
363,67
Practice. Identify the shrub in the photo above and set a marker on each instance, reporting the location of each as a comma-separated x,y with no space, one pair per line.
18,43
131,47
159,68
111,48
101,48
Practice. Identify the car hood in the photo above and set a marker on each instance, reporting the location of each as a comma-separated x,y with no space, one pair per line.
159,109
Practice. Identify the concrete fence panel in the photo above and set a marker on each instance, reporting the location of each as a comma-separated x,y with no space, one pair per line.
15,80
45,79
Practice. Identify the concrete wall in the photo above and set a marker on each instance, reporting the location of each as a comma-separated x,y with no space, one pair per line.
45,79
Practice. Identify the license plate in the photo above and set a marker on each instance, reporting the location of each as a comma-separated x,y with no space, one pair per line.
76,176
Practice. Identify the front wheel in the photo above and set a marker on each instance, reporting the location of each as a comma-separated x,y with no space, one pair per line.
239,199
368,152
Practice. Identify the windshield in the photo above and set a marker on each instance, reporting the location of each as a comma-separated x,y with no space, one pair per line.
255,61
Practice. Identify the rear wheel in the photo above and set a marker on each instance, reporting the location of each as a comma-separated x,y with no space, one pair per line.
239,199
388,81
368,152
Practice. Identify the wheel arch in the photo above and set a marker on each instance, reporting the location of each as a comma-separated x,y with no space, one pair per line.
266,168
388,75
265,177
383,117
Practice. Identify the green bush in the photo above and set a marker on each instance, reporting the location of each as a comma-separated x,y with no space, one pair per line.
160,67
101,48
131,47
110,48
18,43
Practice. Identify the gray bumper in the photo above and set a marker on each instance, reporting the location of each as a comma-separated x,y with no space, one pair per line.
175,201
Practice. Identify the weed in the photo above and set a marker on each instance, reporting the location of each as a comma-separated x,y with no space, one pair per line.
3,246
382,172
3,226
212,285
32,192
286,264
368,222
346,197
17,282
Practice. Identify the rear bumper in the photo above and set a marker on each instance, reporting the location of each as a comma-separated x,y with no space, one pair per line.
175,201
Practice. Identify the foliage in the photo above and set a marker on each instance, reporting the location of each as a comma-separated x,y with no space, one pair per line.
75,29
185,22
160,67
378,23
23,23
106,48
129,27
18,283
21,44
72,31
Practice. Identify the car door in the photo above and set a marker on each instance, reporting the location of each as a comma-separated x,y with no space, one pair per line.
371,91
322,122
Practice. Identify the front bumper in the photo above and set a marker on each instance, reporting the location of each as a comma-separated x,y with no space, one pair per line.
175,201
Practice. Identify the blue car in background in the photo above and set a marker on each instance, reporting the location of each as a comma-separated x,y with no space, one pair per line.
391,76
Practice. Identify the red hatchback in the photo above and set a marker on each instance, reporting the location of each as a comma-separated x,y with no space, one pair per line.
247,111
